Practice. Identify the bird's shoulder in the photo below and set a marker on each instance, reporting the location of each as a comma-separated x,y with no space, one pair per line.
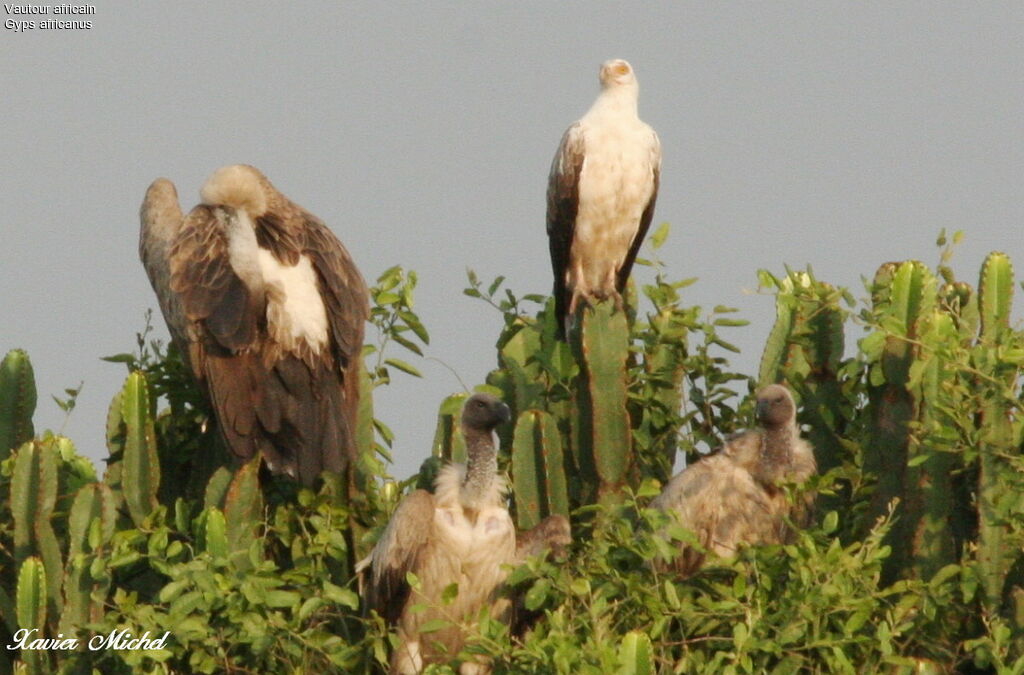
408,529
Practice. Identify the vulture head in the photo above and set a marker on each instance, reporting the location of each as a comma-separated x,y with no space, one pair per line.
775,406
240,186
483,412
616,72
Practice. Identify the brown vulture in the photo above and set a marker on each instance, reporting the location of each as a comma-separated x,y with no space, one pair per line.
601,193
734,497
268,311
462,534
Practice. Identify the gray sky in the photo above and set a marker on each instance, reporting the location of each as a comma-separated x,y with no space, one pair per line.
837,134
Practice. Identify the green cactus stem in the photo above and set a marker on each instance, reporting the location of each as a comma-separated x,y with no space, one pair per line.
140,478
17,401
33,496
600,340
996,498
31,608
91,524
449,444
243,510
538,469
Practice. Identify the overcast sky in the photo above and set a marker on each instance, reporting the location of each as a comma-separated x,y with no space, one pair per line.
836,134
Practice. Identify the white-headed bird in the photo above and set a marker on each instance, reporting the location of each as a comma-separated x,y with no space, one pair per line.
601,193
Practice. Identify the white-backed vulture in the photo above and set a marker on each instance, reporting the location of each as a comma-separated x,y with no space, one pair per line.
601,193
734,497
268,311
462,534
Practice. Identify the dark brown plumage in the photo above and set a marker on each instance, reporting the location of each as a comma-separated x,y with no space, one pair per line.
462,534
733,497
268,310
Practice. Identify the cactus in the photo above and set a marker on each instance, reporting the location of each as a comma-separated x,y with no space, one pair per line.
31,608
212,531
91,524
17,401
657,421
217,487
805,349
601,344
140,469
33,496
636,654
995,500
538,469
902,295
243,510
449,444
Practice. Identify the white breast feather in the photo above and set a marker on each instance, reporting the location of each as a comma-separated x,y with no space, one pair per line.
615,185
295,310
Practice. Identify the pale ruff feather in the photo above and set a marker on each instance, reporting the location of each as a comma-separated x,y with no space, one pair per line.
295,310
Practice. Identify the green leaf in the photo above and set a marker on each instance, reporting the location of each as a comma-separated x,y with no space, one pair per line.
404,367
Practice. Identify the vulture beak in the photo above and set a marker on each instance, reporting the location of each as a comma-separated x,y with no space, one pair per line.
503,412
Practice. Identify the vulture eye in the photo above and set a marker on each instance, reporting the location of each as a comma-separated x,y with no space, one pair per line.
621,69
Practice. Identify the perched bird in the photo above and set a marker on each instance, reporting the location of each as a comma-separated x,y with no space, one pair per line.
734,496
601,193
462,534
268,311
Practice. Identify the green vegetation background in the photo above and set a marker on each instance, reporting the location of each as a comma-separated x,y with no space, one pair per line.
914,564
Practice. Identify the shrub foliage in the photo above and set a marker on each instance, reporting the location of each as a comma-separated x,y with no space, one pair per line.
914,564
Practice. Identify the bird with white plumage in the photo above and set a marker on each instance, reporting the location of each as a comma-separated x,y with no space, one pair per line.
601,193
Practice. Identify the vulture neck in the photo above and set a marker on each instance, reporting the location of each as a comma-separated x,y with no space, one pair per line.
616,101
481,469
776,453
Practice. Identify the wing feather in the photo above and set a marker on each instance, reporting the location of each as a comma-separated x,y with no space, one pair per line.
224,315
645,219
209,288
563,203
342,287
401,550
160,219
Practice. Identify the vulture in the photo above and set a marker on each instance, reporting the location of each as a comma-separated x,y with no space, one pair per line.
463,535
268,311
601,193
734,497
